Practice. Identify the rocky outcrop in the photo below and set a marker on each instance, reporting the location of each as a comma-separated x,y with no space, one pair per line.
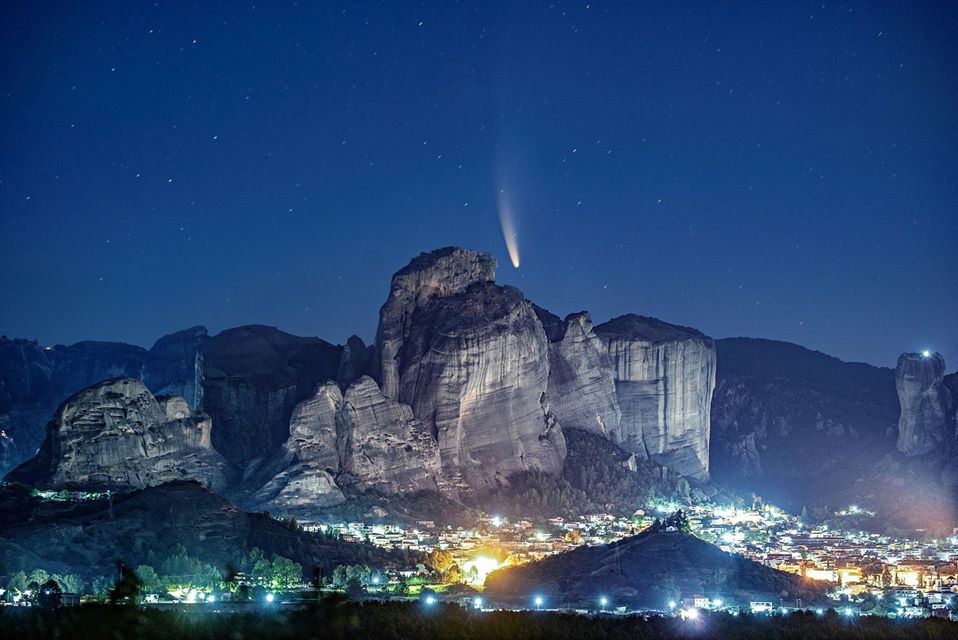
35,379
474,367
362,438
253,378
356,361
581,386
664,378
174,366
385,446
926,403
118,435
437,274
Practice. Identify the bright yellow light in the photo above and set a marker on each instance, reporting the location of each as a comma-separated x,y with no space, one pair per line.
484,565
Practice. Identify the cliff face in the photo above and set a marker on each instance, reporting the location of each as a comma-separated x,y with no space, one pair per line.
664,378
437,274
253,377
361,438
926,403
471,359
581,385
385,446
174,366
117,435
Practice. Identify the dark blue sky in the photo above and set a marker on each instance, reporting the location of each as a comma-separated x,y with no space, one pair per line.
782,170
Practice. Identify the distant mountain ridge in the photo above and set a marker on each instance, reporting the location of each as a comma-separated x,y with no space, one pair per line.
469,384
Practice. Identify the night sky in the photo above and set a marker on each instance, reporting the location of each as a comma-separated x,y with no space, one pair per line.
785,170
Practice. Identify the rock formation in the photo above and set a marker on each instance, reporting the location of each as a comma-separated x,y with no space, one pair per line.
35,379
440,273
581,386
926,403
117,435
253,377
475,369
362,438
664,378
174,366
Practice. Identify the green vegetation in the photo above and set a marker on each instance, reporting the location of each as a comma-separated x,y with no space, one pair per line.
335,619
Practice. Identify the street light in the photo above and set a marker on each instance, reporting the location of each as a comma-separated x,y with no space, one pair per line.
270,597
671,604
538,602
603,602
477,603
430,600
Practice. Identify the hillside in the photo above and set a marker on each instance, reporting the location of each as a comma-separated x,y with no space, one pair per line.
661,564
804,429
145,526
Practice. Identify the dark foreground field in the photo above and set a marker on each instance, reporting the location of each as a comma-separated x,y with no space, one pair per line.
403,620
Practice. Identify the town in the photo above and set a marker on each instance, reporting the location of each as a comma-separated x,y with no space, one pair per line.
867,573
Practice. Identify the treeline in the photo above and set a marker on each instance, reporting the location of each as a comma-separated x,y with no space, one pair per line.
176,570
337,619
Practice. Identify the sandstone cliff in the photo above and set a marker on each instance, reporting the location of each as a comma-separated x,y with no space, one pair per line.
926,403
385,446
664,378
440,273
361,438
581,385
174,366
117,435
475,368
253,377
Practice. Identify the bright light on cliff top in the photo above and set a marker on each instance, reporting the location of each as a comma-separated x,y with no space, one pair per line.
507,222
926,354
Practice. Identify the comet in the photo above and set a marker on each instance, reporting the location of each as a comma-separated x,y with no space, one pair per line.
507,223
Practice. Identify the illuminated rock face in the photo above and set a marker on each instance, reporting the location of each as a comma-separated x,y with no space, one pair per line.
925,403
664,379
471,359
117,435
581,381
361,438
437,274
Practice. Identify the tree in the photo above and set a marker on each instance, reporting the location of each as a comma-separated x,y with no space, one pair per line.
101,586
127,586
149,579
262,572
69,583
354,589
440,560
39,576
339,577
50,595
18,582
286,572
250,559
